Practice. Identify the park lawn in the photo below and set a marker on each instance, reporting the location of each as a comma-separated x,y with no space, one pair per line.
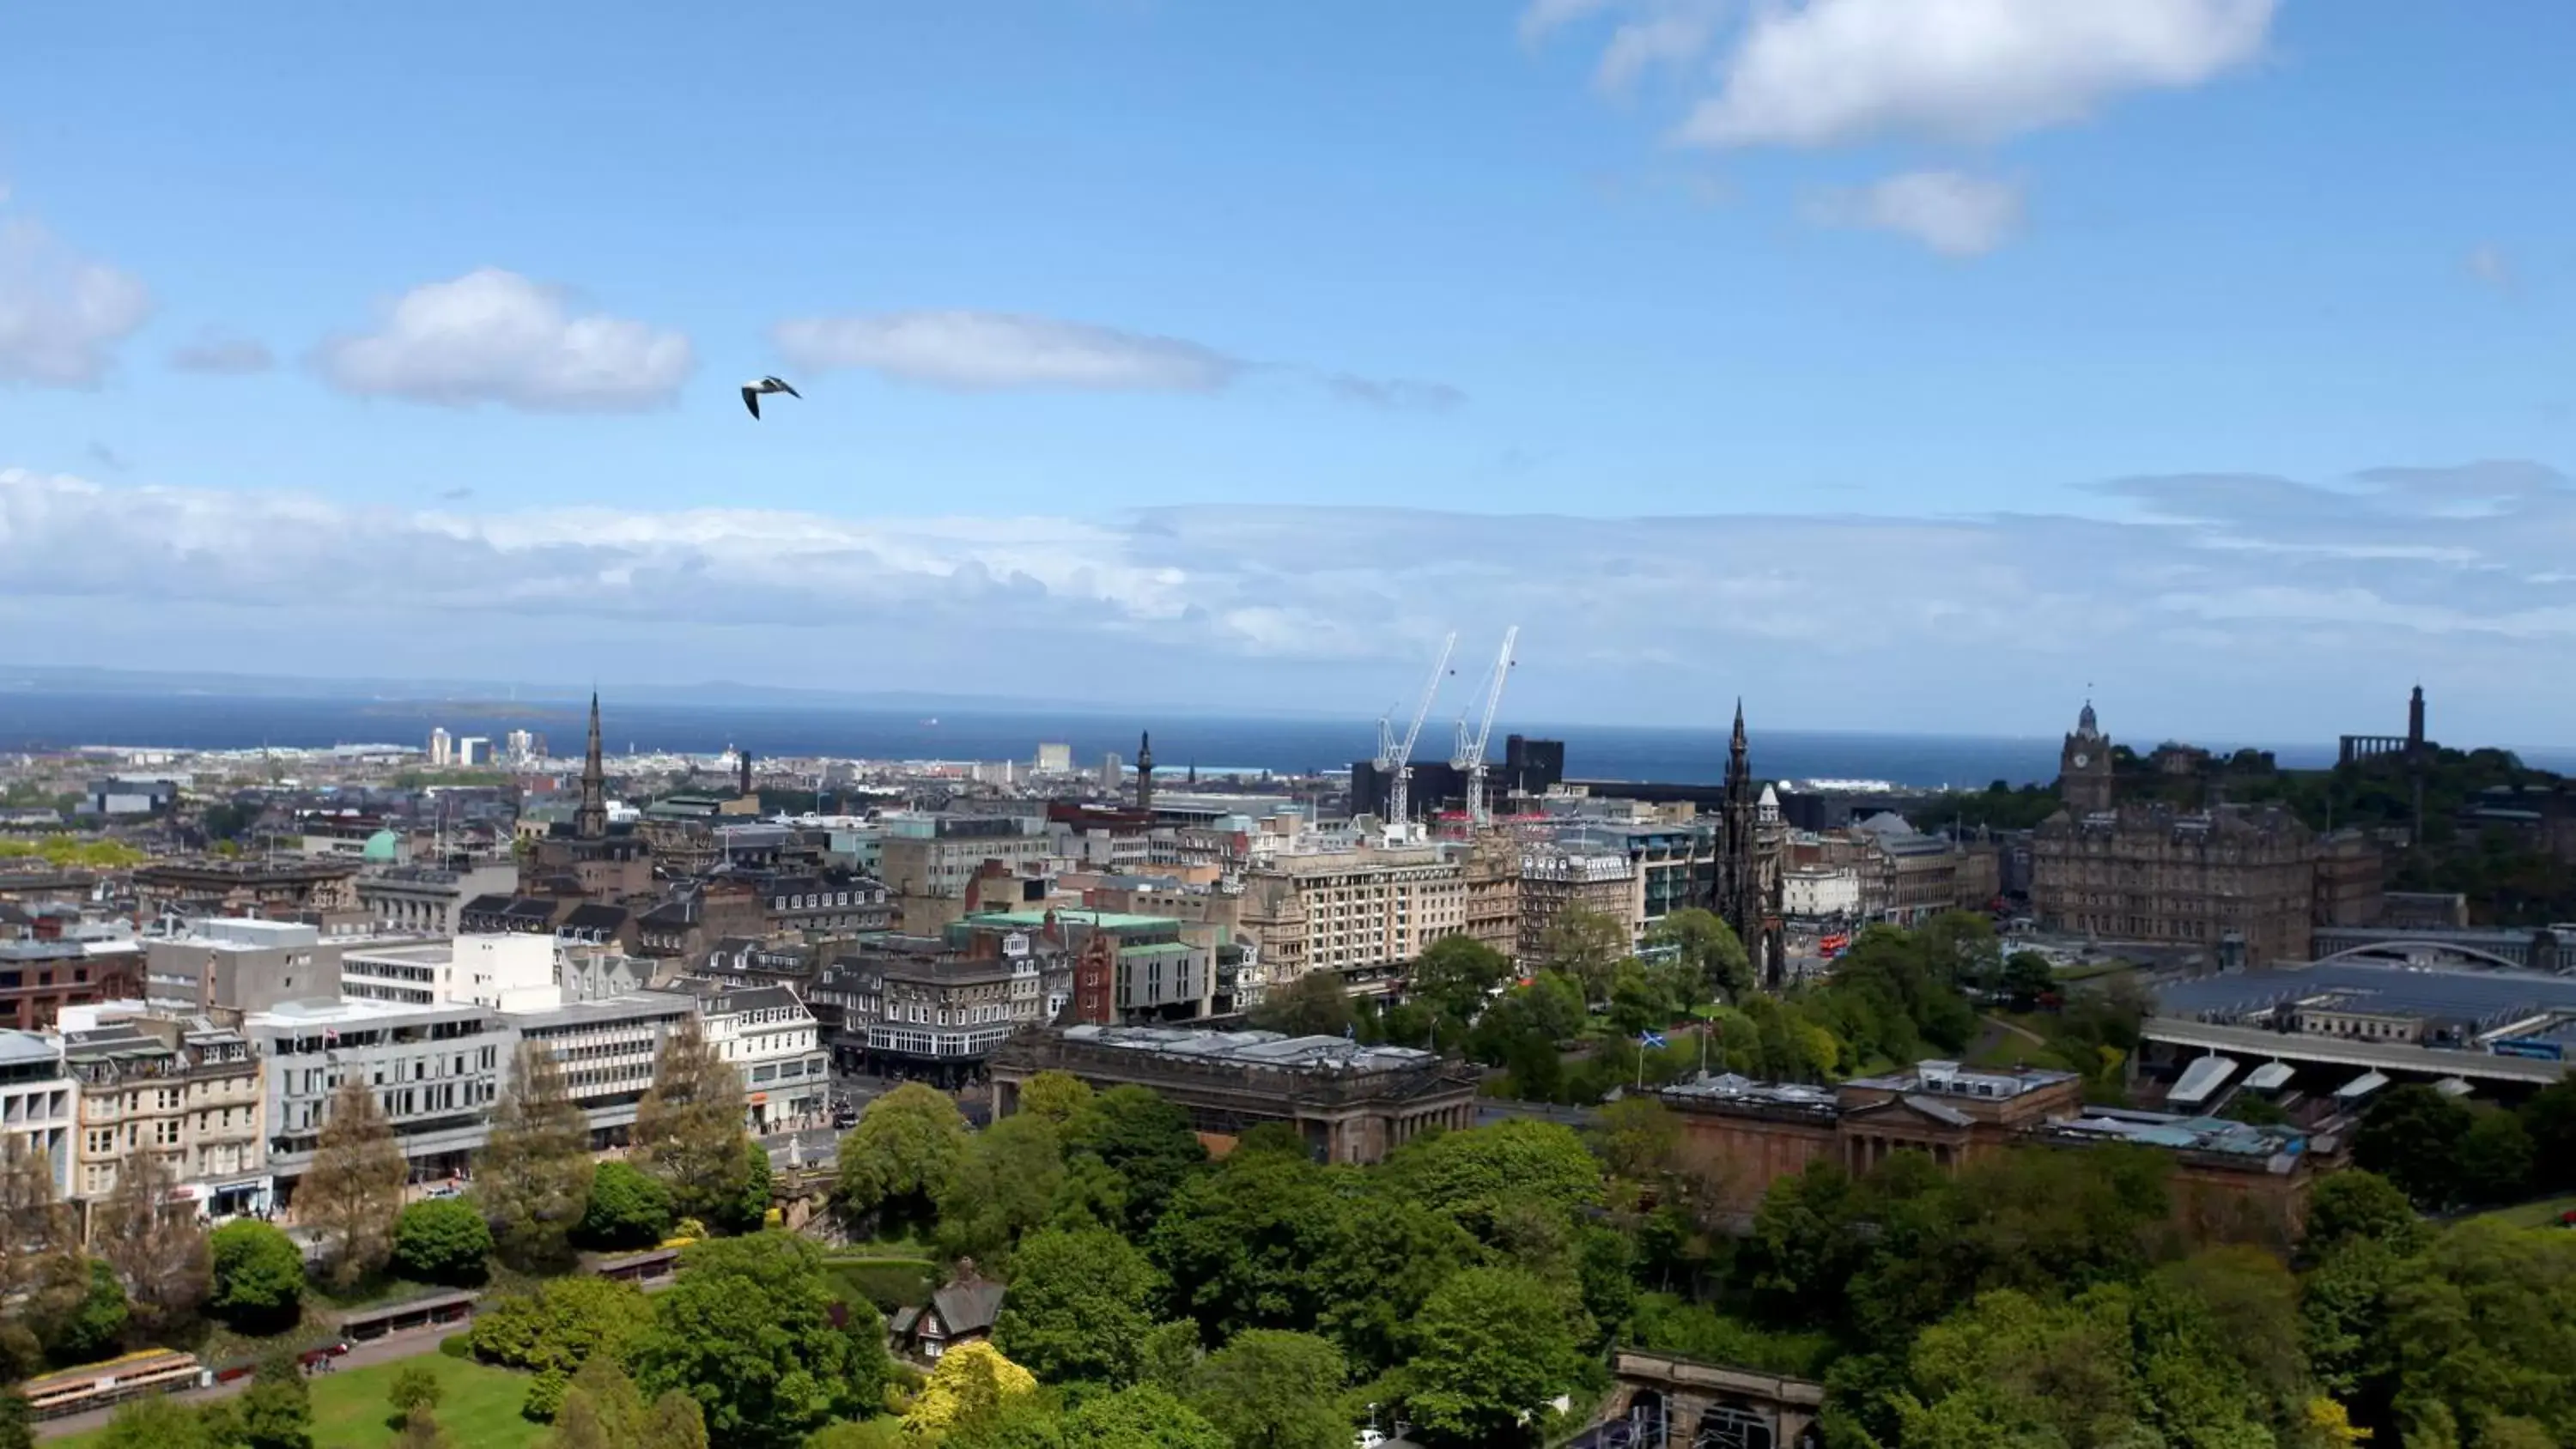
480,1407
2533,1214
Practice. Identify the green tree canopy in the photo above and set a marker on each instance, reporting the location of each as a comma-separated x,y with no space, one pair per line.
1080,1307
277,1409
901,1156
561,1325
1471,1175
534,1177
1143,1138
1708,948
753,1331
1492,1349
2412,1135
1315,1004
354,1190
689,1127
1272,1390
1005,1183
442,1240
1056,1096
628,1208
1455,973
258,1275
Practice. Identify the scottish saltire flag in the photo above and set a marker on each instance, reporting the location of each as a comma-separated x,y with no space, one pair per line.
1650,1038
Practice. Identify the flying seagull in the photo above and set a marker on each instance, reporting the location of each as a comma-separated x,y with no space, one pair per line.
751,392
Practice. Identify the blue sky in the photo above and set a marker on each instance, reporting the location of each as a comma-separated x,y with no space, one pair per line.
1883,352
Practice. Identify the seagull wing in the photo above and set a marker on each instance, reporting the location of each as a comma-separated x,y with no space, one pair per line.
783,387
751,400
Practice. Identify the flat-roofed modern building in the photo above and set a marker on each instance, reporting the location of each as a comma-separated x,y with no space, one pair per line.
606,1048
435,1070
239,963
36,1103
1351,1103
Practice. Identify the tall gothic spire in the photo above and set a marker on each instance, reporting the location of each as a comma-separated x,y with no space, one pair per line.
590,819
1145,770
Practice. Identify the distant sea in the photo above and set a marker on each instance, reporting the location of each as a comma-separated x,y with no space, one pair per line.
53,721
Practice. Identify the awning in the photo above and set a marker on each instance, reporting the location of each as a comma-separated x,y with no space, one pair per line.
2453,1087
2201,1080
2360,1087
2270,1077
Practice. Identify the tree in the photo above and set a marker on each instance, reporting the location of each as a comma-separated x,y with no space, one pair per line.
1057,1096
1708,947
688,1129
534,1177
2549,1116
277,1410
1637,1138
2495,1157
753,1331
1080,1307
35,1226
154,1242
750,1212
415,1386
1455,974
561,1326
80,1312
2027,977
1273,1390
1315,1004
351,1195
2412,1136
1005,1184
152,1423
1585,944
259,1276
1143,1416
2356,1205
972,1381
1494,1347
1146,1140
899,1158
1470,1175
420,1430
602,1409
627,1209
442,1240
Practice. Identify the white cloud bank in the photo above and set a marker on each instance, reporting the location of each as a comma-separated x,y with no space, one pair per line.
2271,605
492,336
62,314
1814,74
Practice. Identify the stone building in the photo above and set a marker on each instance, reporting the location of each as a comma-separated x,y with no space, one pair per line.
2230,1180
1361,911
183,1090
280,889
1555,880
2239,880
916,1006
1493,878
1351,1103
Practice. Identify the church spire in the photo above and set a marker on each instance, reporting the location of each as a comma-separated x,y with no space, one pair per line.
590,819
1145,770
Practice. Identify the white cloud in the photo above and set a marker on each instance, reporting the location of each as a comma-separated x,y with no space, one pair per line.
1544,16
1671,33
1395,392
2242,597
1951,212
498,337
1830,72
979,351
2488,263
223,355
62,314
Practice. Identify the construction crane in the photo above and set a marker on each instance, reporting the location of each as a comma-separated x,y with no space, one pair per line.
1394,758
1470,755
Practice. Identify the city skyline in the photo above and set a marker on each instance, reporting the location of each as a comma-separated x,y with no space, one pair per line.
2157,350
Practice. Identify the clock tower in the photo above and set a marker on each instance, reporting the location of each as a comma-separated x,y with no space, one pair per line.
2084,767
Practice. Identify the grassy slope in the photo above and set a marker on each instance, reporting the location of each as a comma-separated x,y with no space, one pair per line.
481,1407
